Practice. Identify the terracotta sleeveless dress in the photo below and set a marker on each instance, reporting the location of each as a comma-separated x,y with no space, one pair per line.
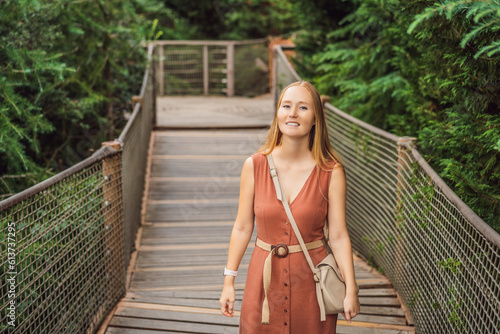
293,306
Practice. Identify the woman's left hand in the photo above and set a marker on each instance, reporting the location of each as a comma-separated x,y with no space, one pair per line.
351,307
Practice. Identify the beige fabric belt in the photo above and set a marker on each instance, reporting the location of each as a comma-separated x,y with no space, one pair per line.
280,250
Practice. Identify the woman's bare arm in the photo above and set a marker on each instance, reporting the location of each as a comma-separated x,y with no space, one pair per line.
240,236
339,238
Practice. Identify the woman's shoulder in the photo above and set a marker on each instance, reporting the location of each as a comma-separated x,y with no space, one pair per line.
335,169
333,164
258,156
254,159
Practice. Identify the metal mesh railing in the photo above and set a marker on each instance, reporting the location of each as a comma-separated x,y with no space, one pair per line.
440,256
212,67
62,246
66,242
135,142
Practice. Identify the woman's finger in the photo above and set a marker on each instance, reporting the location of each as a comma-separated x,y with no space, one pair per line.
347,316
223,306
231,307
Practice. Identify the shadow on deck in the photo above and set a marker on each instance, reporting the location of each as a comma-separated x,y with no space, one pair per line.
192,200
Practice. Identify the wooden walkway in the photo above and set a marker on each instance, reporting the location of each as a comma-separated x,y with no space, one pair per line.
181,248
214,112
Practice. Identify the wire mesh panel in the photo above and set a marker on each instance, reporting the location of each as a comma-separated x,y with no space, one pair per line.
441,257
183,69
135,142
283,75
213,67
371,171
217,69
194,69
449,271
61,251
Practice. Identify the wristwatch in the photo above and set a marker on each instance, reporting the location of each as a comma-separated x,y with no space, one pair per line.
230,272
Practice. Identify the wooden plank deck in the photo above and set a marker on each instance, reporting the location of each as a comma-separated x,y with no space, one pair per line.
175,273
214,111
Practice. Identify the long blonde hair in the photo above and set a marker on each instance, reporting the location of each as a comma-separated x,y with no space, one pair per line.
319,143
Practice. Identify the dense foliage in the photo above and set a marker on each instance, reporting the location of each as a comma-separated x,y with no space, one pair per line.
235,19
67,72
428,70
69,68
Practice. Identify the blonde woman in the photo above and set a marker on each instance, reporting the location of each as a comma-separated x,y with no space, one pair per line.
314,183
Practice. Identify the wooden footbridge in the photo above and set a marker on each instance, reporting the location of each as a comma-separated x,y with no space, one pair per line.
192,200
134,238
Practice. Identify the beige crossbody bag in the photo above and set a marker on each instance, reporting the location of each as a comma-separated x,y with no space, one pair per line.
330,286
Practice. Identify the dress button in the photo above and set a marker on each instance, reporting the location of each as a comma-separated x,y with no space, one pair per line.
286,233
286,271
286,324
286,284
286,311
286,297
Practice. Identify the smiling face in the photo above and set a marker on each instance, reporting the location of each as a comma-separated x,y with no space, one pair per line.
296,114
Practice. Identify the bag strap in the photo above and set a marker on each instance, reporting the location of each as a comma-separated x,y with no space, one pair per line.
281,196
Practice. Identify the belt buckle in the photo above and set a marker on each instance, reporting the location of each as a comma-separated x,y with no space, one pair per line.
281,250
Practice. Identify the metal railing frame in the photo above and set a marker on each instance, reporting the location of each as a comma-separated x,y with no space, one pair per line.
230,52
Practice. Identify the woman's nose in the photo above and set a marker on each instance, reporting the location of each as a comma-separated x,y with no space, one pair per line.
293,112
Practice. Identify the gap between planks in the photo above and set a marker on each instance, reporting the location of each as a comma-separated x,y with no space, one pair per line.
192,201
194,178
199,157
185,224
205,133
242,266
190,287
183,247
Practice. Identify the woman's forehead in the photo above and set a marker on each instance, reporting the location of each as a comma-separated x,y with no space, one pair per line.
297,94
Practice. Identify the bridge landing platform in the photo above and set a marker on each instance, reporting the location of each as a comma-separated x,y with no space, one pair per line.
214,111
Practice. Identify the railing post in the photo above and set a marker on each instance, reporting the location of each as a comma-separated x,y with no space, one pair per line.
400,250
154,86
160,51
230,69
324,99
113,241
205,69
274,78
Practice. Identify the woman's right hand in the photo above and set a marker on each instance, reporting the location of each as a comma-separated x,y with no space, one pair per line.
227,300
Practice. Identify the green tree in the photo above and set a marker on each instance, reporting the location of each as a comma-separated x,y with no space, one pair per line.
234,19
428,70
67,72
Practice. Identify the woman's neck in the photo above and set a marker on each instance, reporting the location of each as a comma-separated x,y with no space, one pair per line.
292,149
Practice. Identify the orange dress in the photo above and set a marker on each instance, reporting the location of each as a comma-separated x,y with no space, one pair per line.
293,306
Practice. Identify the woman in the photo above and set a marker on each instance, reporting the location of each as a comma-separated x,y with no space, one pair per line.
314,184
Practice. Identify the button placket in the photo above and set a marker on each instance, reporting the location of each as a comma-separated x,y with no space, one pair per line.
286,278
287,290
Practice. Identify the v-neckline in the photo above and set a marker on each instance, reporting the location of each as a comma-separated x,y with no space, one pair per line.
301,189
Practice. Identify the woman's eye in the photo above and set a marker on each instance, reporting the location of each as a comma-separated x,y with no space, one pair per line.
286,106
303,108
